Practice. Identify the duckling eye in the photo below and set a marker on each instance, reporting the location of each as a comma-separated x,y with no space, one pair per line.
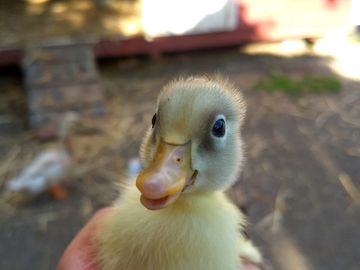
218,129
153,120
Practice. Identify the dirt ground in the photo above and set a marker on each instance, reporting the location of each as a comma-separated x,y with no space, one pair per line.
298,185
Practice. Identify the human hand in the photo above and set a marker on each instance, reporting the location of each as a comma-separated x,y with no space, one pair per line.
80,254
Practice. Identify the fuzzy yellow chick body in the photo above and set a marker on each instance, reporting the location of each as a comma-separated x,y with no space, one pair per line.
198,232
178,217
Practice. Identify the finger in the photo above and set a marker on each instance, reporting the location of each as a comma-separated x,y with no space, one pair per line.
80,253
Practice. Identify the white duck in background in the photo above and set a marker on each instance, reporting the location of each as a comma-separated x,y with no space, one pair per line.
177,216
51,167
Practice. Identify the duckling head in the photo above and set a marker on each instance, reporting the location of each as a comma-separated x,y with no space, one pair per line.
194,143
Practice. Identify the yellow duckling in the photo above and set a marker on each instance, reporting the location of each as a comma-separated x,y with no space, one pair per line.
177,216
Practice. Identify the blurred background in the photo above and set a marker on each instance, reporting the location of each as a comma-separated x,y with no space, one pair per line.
78,86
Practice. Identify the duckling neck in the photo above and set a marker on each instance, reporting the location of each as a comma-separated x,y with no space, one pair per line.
204,207
189,201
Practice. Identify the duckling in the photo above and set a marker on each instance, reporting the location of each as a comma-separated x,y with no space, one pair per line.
177,216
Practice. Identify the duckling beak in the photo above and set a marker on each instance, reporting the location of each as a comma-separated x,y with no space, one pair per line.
168,174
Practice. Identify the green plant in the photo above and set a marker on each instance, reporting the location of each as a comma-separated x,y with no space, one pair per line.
278,81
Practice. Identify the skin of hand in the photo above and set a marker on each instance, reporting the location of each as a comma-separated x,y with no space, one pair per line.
80,253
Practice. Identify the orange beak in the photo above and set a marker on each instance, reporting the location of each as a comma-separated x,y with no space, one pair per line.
168,174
